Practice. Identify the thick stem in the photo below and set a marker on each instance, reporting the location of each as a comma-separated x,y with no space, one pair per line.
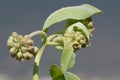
53,43
37,61
42,33
39,54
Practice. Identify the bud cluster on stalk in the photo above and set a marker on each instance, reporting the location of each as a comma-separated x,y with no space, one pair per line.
21,47
75,38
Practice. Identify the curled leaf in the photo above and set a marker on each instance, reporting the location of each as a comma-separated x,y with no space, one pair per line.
76,12
66,56
80,27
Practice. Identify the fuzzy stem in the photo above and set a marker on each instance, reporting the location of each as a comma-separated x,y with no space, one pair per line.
53,43
37,61
39,54
42,33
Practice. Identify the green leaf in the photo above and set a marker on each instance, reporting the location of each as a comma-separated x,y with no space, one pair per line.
72,60
81,27
84,21
70,76
76,12
66,56
56,73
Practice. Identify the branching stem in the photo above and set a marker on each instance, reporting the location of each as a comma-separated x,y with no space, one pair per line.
37,61
39,54
42,33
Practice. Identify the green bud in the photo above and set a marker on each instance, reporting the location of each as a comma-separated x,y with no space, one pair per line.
24,55
10,45
82,41
35,49
29,41
13,50
59,40
91,29
20,37
79,46
17,45
10,40
28,55
30,48
76,42
90,24
59,48
19,54
24,49
14,34
23,42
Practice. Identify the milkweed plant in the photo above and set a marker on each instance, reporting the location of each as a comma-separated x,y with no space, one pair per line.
76,35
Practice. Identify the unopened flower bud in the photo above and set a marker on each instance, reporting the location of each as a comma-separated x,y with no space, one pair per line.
20,37
24,49
21,47
82,41
59,48
76,39
13,50
29,41
35,49
90,24
14,34
28,55
19,54
24,55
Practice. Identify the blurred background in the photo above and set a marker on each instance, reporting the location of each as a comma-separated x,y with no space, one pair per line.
100,61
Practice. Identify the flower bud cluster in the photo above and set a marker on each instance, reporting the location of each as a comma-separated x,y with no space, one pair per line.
90,26
21,47
76,39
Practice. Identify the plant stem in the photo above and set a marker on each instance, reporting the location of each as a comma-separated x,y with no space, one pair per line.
37,60
42,33
53,43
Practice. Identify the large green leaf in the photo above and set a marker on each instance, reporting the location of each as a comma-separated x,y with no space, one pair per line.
84,21
76,12
66,56
56,73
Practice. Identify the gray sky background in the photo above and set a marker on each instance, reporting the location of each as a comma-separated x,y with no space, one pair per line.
101,61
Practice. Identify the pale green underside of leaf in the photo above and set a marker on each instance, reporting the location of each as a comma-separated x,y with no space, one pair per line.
72,61
82,28
76,12
66,56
